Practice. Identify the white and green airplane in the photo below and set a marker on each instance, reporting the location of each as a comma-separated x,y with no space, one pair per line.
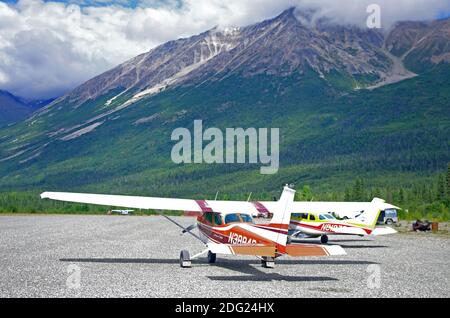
317,219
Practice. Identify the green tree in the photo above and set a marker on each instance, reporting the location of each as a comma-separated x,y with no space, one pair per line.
347,195
358,190
306,193
448,181
441,188
401,196
388,195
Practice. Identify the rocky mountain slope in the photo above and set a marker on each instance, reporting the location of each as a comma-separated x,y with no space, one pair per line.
421,45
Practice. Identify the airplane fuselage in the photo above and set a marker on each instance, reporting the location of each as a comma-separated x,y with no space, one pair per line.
241,231
316,229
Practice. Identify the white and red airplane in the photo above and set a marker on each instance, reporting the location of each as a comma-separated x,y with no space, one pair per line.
225,227
315,219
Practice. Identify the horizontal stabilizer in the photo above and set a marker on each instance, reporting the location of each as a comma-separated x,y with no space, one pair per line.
383,231
247,249
297,250
349,230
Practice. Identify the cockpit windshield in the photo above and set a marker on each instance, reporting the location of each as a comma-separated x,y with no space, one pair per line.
232,218
326,216
246,218
238,218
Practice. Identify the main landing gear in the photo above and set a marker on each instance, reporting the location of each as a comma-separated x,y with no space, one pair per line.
268,262
211,257
186,259
324,239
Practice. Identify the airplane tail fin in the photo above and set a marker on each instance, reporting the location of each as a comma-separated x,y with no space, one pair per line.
282,215
369,217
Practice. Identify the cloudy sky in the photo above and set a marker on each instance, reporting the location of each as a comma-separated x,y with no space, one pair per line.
50,47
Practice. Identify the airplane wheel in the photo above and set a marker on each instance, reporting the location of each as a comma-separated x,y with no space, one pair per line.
211,257
268,262
185,259
324,239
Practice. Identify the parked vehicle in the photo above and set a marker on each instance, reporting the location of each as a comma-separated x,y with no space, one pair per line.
388,216
423,226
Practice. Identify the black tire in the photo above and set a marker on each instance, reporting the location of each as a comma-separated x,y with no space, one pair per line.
324,239
389,222
211,257
268,262
185,259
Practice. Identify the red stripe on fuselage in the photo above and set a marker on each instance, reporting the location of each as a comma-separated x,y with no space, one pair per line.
213,235
319,227
269,228
278,226
212,232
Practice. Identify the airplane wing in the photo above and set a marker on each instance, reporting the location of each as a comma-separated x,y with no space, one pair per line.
154,203
338,207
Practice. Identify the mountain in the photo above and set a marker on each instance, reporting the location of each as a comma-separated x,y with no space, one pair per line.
324,86
421,45
278,46
14,109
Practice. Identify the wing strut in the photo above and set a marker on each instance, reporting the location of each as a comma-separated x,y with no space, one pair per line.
185,230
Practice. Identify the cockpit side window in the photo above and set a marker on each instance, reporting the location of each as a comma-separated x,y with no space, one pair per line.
322,217
312,217
300,216
208,217
217,219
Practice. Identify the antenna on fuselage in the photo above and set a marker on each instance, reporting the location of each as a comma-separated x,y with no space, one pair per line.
217,194
249,197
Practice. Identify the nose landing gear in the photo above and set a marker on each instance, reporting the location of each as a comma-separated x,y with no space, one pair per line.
324,239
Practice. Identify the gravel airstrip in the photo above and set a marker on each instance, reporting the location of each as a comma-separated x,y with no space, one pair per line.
133,256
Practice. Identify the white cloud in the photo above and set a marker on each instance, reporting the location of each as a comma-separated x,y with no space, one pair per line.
47,48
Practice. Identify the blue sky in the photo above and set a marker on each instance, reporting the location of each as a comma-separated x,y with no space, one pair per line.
152,3
98,3
131,3
148,3
48,48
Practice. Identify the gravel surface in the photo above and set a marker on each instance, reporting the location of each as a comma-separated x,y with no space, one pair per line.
130,256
